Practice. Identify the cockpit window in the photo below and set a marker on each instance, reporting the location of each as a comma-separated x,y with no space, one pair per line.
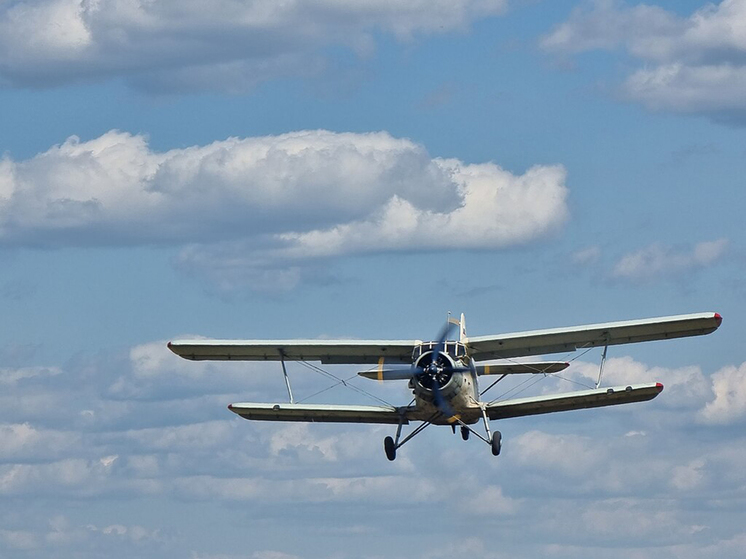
452,348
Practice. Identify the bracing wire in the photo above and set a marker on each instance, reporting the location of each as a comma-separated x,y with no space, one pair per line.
344,382
542,377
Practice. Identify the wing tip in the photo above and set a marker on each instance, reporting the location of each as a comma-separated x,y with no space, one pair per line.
659,386
718,318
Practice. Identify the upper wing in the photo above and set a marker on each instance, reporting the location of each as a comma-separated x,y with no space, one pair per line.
326,351
322,413
559,340
573,400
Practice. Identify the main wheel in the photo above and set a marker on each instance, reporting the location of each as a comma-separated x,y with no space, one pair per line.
496,442
464,433
390,448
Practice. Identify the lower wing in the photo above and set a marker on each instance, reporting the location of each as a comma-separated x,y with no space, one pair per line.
321,413
583,399
334,413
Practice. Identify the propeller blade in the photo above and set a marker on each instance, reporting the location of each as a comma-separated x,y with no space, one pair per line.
442,405
442,336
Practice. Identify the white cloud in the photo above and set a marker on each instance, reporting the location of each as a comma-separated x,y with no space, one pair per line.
21,440
19,539
285,472
569,454
75,474
658,260
227,45
729,389
197,437
694,64
62,533
624,519
586,256
489,500
679,87
689,476
14,376
497,210
684,387
264,210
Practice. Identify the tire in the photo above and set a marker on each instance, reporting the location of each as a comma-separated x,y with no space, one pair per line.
464,433
496,443
390,448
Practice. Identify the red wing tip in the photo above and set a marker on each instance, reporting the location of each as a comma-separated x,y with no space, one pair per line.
659,386
168,345
718,318
230,407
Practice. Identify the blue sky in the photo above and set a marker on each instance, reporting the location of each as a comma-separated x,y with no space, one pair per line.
339,169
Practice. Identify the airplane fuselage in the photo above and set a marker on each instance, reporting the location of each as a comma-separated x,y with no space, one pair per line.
457,382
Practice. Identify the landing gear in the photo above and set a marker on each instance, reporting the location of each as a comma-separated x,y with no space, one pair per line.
390,447
391,444
496,443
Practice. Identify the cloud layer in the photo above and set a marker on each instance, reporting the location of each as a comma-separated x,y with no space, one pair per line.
634,466
171,45
248,205
693,65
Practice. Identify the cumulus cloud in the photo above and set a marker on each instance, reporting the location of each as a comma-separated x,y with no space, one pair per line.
729,389
22,440
572,455
63,534
694,64
14,376
285,472
718,398
684,386
171,45
658,260
266,208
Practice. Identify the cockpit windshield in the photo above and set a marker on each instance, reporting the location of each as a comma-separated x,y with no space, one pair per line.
457,350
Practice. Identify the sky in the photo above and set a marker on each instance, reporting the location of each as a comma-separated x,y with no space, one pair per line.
341,169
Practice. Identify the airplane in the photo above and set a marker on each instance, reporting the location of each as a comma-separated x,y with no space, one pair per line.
443,374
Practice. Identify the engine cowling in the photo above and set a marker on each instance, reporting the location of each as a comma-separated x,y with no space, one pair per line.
436,369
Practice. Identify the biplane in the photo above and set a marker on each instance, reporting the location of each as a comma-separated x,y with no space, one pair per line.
444,374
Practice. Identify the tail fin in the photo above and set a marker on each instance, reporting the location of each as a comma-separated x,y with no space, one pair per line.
461,326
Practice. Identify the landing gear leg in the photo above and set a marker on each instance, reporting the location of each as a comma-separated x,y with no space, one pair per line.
494,440
465,433
390,445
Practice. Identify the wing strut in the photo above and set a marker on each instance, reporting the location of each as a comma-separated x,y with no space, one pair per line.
493,384
285,374
603,362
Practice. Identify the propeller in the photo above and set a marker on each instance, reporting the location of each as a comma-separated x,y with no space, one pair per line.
432,374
